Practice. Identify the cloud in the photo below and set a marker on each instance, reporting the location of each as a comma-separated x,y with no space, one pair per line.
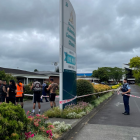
107,33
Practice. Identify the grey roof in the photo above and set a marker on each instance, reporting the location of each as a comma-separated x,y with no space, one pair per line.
17,71
48,73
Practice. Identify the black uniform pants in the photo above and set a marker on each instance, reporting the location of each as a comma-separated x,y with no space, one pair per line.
126,103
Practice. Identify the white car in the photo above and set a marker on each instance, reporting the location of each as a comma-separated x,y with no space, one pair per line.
94,83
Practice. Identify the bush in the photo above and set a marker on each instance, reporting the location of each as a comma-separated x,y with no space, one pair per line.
55,112
116,86
101,99
61,127
7,77
71,111
13,121
100,87
39,137
84,87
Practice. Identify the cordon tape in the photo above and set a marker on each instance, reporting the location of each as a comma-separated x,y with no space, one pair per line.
69,100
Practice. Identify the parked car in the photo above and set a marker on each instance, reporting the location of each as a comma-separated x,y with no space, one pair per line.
103,83
95,83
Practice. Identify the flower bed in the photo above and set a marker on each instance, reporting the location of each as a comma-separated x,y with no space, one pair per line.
38,127
116,86
71,111
15,125
100,87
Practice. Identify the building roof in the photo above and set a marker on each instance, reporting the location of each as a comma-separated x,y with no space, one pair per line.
17,71
48,73
84,74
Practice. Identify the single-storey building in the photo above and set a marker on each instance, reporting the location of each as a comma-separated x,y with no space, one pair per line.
26,77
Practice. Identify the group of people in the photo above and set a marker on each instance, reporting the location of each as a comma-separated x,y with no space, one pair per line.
15,93
12,92
51,90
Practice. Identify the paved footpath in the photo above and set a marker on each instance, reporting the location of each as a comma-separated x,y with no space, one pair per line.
110,124
28,106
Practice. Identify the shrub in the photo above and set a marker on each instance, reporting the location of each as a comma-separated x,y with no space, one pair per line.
84,87
116,86
55,112
71,111
101,99
37,124
61,127
7,77
100,87
39,137
13,121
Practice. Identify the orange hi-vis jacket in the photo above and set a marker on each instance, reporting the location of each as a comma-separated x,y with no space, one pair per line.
19,90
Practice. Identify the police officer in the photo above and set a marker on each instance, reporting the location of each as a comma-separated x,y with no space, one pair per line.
126,90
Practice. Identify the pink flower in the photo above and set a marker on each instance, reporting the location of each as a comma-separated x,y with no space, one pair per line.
32,135
27,112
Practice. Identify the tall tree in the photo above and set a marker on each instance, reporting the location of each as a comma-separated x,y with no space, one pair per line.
35,70
135,65
101,73
7,77
106,73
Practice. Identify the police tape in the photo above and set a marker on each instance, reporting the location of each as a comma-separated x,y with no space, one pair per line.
40,97
129,95
76,97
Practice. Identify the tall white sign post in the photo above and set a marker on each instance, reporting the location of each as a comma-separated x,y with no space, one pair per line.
68,64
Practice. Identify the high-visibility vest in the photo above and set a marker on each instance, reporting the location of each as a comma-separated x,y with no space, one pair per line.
19,90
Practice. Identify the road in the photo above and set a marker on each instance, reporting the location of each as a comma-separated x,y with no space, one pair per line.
110,124
28,106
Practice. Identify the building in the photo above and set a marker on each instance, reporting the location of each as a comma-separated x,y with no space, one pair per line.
51,75
87,76
26,77
129,76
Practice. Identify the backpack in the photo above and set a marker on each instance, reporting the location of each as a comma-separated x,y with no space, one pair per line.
36,86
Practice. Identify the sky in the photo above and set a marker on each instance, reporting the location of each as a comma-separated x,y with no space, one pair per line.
107,33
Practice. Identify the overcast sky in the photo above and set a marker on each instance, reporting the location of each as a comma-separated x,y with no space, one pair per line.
108,33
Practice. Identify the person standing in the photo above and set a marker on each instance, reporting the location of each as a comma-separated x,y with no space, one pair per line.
19,94
5,90
126,90
52,87
44,86
36,87
11,92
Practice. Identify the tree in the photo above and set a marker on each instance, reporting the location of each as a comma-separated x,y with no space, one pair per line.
116,73
7,77
106,73
35,70
135,65
101,73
